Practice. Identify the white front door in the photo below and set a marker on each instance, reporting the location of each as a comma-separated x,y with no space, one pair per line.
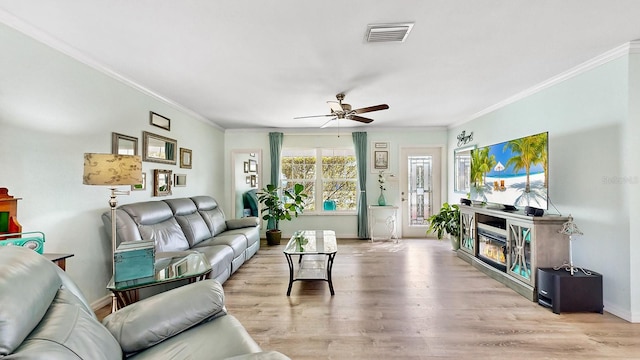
419,189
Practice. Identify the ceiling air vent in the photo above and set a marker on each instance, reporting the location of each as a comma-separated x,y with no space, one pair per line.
388,32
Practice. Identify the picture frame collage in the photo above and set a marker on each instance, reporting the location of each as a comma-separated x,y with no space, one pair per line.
251,168
158,149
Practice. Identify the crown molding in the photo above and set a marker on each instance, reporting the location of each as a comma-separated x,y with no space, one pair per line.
47,39
632,47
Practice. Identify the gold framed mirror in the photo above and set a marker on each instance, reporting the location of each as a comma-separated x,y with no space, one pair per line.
161,182
124,144
160,149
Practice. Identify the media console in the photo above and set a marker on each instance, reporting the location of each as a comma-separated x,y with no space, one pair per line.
510,246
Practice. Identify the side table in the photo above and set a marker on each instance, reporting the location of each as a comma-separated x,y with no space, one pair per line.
563,292
189,266
58,259
376,214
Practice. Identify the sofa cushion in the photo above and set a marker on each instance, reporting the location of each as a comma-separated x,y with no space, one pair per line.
220,257
194,227
167,235
23,303
181,206
140,325
252,234
148,212
236,241
67,331
211,213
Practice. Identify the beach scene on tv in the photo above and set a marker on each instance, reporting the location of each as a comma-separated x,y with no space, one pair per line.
513,173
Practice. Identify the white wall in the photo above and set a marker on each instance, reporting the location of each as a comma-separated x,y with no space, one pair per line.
52,110
632,186
592,156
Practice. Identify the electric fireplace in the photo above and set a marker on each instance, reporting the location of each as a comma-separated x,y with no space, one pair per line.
492,246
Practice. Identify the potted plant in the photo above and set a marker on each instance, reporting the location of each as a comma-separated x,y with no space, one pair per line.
446,221
279,207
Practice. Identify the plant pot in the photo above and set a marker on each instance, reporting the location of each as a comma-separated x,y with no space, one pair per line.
273,237
455,242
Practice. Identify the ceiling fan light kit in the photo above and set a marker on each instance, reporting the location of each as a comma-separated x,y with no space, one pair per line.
340,110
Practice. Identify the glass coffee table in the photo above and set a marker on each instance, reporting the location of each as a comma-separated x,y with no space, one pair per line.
169,267
316,250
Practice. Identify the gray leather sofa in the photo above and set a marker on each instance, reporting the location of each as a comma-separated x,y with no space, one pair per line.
195,223
43,315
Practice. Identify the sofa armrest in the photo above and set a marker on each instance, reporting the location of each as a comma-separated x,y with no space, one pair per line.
152,320
245,222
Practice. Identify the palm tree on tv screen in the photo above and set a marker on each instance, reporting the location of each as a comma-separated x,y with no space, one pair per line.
481,164
527,152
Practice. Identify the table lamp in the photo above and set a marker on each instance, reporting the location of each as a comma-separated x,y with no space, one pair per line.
112,170
570,228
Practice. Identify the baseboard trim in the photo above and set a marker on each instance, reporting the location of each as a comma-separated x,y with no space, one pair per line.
100,303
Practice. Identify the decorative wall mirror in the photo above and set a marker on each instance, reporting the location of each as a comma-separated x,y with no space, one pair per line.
160,149
161,182
179,180
124,144
462,169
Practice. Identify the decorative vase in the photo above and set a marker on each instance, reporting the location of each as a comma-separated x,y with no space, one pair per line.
381,200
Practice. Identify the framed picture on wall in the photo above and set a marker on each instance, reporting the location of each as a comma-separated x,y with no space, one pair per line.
253,166
381,160
379,156
159,121
186,156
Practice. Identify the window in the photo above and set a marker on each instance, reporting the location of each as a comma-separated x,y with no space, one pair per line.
330,177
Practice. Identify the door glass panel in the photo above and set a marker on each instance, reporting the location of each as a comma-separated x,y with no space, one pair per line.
420,189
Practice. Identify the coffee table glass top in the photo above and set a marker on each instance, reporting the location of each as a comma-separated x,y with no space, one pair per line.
170,267
312,242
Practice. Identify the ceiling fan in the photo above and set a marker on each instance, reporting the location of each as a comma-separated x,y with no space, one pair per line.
340,110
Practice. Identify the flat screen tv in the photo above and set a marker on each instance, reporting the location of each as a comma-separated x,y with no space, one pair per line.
513,173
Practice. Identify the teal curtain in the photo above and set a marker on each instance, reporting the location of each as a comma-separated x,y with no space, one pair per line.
275,145
169,151
360,145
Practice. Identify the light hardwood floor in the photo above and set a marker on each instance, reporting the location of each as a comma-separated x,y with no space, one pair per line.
411,300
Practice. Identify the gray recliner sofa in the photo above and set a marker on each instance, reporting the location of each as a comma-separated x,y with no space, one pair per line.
195,223
43,315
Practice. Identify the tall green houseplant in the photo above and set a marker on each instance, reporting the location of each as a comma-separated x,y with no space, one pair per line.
280,207
446,221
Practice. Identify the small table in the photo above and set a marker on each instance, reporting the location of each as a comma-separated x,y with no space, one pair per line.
192,266
376,214
315,257
58,259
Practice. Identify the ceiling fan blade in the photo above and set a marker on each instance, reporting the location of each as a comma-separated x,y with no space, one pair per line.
360,118
327,123
371,108
335,106
312,116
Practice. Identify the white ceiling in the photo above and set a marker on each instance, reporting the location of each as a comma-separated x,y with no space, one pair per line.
255,64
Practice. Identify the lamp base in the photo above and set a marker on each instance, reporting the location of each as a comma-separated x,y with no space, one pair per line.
572,269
